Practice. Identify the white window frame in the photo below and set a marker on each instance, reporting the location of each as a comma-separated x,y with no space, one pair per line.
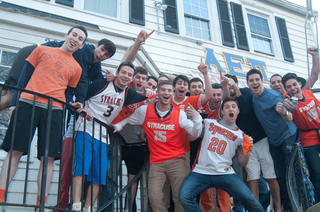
122,7
275,42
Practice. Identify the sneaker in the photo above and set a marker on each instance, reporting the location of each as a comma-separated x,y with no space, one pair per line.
45,210
88,209
76,206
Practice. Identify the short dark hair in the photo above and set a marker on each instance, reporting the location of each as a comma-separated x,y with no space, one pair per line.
152,77
254,71
183,77
140,70
216,85
196,79
82,29
275,75
288,76
229,100
126,63
164,82
108,45
163,75
235,79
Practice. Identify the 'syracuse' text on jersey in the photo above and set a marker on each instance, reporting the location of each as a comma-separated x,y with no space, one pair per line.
104,105
218,147
163,134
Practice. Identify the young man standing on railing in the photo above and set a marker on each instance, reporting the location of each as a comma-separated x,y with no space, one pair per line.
105,99
163,123
48,71
278,126
306,117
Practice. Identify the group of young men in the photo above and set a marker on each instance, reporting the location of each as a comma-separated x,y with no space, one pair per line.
255,124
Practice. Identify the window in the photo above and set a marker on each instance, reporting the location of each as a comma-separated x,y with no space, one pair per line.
105,7
260,34
6,60
196,19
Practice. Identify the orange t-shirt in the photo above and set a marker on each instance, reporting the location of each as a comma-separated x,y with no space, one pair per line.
195,101
54,71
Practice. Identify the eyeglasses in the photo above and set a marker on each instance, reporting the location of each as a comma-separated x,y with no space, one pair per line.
126,63
216,85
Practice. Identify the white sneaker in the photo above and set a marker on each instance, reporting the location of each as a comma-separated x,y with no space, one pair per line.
76,206
38,209
88,209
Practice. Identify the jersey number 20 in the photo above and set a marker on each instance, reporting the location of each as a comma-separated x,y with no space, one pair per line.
217,146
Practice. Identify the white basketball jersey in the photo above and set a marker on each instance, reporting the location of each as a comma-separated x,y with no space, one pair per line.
105,106
218,148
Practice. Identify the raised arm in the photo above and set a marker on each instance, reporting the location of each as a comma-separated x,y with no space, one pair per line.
132,52
314,70
203,68
225,88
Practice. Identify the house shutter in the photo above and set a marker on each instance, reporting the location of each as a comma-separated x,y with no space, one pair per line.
238,23
225,24
171,17
136,12
65,2
284,39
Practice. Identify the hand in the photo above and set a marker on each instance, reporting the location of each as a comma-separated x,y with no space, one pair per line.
313,53
191,111
223,80
114,127
281,109
143,36
288,103
201,110
150,101
108,75
11,109
203,68
76,104
86,114
247,144
146,92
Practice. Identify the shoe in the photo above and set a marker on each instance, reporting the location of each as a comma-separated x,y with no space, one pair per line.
76,206
45,210
88,209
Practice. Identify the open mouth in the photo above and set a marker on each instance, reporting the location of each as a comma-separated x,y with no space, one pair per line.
231,115
181,92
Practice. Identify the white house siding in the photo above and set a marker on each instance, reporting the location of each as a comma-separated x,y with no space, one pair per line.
164,52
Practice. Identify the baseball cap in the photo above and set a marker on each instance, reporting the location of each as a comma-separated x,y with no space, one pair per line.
288,76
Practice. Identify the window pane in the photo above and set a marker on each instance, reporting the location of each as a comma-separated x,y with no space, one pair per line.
203,3
106,7
187,21
195,22
186,1
262,44
189,31
259,25
195,10
205,35
187,8
197,33
204,13
195,2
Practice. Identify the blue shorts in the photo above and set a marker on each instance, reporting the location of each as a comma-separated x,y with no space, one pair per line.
77,162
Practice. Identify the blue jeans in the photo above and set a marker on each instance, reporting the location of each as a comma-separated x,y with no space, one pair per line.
311,153
196,183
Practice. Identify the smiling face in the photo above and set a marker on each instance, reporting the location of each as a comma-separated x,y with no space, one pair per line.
255,84
165,93
216,98
124,76
230,112
275,84
293,87
181,89
138,81
100,53
151,84
196,88
73,41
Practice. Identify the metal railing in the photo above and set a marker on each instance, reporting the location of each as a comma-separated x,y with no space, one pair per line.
110,197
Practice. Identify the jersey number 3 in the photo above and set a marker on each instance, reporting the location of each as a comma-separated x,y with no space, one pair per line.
108,112
217,146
